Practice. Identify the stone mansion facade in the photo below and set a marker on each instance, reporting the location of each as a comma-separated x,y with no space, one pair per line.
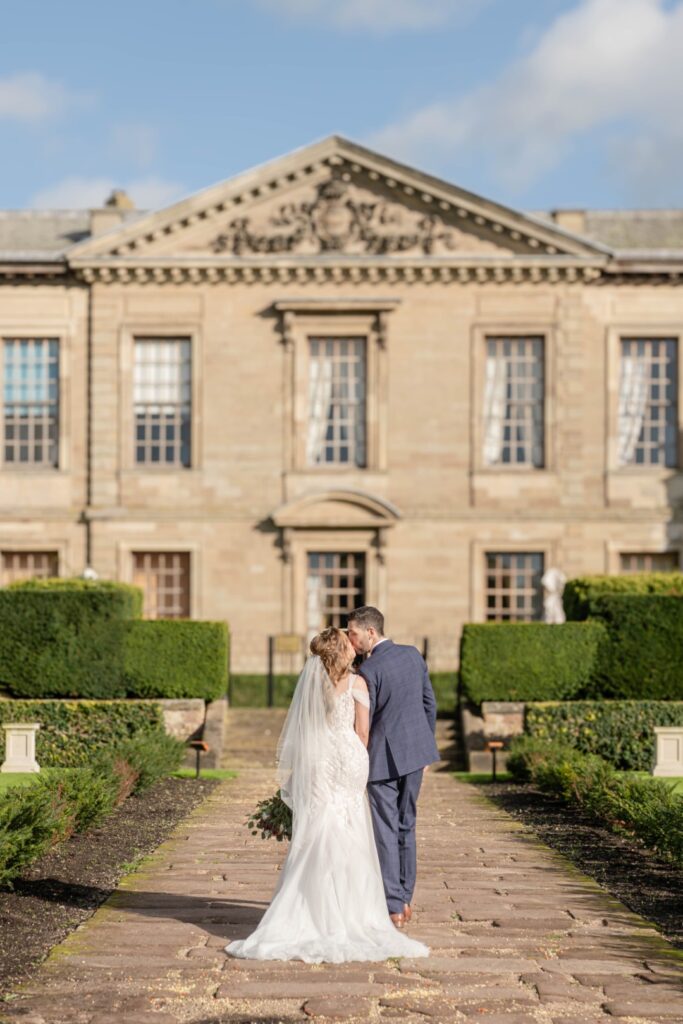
333,380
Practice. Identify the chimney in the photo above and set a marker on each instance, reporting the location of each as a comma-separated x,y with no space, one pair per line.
111,214
570,220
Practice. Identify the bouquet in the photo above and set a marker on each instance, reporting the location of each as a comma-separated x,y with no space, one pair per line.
272,817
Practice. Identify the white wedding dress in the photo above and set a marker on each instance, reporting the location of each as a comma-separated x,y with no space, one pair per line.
329,903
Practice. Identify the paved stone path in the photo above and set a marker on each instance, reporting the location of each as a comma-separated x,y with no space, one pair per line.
517,935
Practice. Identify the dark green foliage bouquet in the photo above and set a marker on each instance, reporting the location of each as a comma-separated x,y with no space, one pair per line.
272,818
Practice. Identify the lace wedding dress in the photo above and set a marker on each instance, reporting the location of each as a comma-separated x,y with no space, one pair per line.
329,903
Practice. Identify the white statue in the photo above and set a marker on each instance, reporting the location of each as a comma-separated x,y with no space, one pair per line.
553,581
89,573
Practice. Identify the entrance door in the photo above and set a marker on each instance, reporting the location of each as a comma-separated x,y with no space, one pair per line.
335,585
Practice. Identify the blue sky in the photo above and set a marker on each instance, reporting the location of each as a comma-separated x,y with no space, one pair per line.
534,103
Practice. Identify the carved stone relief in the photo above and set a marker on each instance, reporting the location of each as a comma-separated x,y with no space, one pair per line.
342,219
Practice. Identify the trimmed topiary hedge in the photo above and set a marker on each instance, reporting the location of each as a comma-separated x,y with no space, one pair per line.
71,732
581,594
34,818
647,808
65,638
643,656
620,731
176,658
528,660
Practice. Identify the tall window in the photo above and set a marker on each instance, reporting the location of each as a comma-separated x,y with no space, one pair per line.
162,401
658,561
513,586
335,585
31,401
336,396
165,580
513,402
28,565
648,402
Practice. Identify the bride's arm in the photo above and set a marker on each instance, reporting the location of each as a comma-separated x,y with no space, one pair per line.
362,699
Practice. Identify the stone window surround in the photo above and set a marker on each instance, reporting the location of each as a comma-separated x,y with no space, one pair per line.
301,319
478,549
614,549
481,331
129,332
302,541
59,548
614,334
125,569
62,335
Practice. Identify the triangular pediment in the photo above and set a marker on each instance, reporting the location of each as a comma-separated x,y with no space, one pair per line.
332,199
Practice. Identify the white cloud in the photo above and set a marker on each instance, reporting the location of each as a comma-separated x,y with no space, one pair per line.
84,193
377,15
30,96
603,64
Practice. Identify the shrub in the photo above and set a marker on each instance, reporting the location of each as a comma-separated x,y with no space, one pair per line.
581,593
176,658
647,808
72,731
528,660
36,817
643,658
64,638
620,731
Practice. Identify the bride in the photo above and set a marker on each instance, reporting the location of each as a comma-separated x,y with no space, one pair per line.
329,903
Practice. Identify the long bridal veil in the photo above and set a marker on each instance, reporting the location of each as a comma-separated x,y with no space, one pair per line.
305,738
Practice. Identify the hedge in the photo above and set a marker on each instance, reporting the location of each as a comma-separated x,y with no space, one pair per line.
528,660
643,658
580,594
647,808
72,731
57,804
176,658
620,731
65,638
250,691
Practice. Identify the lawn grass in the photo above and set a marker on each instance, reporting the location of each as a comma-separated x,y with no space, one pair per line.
481,778
206,773
676,782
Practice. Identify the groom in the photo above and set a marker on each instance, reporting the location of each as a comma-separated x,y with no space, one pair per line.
402,724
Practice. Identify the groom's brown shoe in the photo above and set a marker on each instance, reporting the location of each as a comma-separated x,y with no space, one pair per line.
407,912
398,919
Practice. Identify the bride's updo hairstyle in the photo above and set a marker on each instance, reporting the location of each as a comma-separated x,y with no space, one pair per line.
332,649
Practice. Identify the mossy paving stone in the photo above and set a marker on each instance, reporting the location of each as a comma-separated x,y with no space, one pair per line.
169,928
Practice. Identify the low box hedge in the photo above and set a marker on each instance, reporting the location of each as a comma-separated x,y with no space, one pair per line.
647,808
65,638
520,661
642,658
71,732
581,593
59,803
620,731
176,658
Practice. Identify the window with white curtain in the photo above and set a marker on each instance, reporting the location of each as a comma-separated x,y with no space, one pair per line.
514,402
648,402
336,402
31,402
162,401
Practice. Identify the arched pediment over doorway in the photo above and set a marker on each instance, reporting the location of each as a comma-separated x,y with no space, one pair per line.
336,510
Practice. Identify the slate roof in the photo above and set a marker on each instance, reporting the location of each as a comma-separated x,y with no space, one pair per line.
28,235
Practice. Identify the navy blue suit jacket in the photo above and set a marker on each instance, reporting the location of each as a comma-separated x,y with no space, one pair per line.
402,711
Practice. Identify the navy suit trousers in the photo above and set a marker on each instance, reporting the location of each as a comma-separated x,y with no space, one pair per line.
393,803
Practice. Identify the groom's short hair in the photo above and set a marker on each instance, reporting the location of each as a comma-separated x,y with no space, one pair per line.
368,616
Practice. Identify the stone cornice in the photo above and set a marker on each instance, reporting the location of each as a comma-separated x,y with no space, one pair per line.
351,271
